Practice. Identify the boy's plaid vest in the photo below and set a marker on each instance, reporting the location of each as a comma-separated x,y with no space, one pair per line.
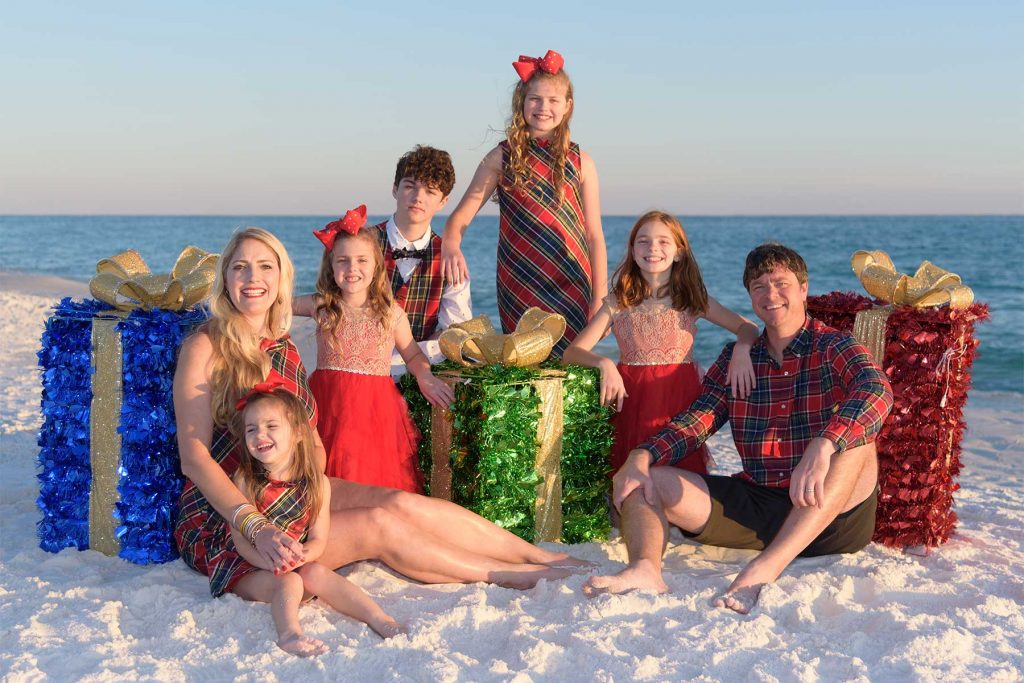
420,296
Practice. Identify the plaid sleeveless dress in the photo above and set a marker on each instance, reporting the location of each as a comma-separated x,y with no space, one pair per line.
543,257
202,535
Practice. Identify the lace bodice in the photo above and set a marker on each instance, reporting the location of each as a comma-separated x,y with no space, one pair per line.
652,333
363,344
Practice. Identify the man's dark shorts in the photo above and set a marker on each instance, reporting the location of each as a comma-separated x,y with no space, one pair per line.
745,515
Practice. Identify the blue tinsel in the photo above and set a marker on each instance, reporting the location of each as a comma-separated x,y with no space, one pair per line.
150,473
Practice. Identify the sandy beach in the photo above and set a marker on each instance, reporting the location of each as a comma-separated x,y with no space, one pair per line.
954,614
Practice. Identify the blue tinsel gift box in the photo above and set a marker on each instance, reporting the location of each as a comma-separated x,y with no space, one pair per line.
148,474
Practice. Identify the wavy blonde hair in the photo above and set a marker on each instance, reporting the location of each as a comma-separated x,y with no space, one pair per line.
252,475
329,309
238,363
685,285
518,173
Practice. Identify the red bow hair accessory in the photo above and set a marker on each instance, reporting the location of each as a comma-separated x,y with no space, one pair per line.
552,63
350,223
273,382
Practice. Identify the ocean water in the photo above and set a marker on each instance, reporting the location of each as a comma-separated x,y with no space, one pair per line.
986,251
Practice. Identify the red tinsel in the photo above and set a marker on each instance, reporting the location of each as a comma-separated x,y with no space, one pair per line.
928,357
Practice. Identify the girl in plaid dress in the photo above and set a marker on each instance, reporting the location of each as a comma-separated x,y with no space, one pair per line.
364,421
279,475
551,250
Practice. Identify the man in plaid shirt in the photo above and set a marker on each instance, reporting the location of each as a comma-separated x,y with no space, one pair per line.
805,435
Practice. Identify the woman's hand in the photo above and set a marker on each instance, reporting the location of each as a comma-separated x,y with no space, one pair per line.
613,391
740,376
437,392
281,552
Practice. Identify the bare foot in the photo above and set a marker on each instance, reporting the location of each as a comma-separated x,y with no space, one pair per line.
741,599
301,645
527,578
742,594
387,627
641,576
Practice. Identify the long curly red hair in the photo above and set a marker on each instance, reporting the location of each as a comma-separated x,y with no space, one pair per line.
518,174
685,286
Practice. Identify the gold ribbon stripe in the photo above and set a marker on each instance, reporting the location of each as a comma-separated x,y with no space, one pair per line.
104,440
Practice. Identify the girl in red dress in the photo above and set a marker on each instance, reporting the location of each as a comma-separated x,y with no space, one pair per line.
551,250
364,422
656,300
279,475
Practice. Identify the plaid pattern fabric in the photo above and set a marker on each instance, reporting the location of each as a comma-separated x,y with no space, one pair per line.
827,385
283,502
543,257
201,533
420,296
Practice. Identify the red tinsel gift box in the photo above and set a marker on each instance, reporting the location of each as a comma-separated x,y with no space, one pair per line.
928,357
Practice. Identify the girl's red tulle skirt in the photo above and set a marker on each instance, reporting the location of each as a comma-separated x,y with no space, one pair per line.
367,431
657,393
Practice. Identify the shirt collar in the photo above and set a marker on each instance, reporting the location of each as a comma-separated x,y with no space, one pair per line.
398,241
800,346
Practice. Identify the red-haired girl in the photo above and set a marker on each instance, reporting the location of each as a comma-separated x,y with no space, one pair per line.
653,310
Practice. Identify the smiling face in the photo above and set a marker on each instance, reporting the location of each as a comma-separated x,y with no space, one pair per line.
252,281
655,249
545,105
269,436
416,202
354,262
780,300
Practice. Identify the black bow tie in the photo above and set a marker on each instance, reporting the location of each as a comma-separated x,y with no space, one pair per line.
405,252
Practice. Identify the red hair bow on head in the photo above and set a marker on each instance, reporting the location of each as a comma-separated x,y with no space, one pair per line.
552,63
350,223
273,382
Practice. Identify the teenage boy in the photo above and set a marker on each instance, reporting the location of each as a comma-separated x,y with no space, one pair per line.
424,179
805,435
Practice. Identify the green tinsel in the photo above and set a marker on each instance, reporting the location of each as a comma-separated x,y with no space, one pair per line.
494,446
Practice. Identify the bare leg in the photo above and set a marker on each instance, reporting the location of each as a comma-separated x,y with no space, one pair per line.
461,527
284,593
851,478
377,534
645,530
348,598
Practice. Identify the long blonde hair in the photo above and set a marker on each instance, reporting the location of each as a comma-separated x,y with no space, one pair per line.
519,174
238,363
685,285
329,309
304,468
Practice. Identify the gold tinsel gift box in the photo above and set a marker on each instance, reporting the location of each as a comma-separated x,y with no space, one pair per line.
109,472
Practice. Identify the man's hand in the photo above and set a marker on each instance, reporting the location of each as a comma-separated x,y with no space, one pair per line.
634,474
807,486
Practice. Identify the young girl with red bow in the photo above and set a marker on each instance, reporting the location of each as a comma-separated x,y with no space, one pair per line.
653,310
551,250
277,472
364,422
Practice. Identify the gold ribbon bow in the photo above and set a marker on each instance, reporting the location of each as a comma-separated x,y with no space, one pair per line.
476,342
929,286
125,281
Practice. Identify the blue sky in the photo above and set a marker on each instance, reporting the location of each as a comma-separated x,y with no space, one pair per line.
698,108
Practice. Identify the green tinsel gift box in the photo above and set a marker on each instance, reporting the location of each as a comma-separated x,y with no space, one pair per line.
527,448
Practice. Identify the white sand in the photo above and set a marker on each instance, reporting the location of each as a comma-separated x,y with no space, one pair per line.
956,614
